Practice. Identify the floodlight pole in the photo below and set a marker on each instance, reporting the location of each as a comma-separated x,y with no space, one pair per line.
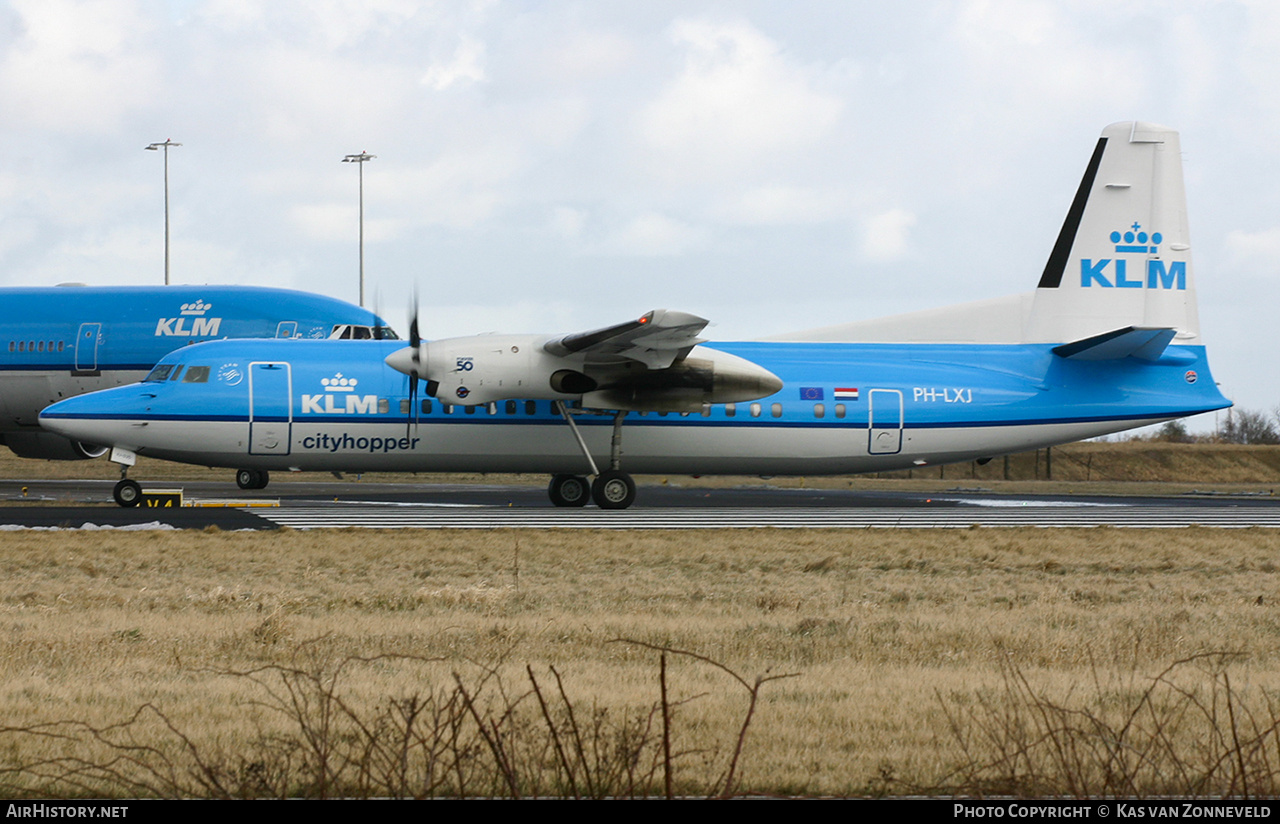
360,160
153,148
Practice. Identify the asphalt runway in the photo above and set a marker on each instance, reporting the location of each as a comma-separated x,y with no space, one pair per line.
306,505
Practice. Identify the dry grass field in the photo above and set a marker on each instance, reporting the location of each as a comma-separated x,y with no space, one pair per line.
399,663
403,663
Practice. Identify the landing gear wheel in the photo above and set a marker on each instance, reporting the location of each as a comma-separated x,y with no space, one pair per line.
613,490
569,490
252,478
127,493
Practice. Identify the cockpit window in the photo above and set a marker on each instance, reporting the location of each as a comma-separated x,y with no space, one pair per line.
161,372
350,331
196,374
176,373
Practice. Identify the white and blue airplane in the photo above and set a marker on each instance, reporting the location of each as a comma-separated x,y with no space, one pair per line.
62,341
1109,340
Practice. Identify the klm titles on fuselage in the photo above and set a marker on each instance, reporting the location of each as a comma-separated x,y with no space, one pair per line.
201,326
325,403
1109,273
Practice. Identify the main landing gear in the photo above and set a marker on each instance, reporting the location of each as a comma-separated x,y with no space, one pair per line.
611,489
252,478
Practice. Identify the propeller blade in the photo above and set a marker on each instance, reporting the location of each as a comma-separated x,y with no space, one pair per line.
415,342
415,339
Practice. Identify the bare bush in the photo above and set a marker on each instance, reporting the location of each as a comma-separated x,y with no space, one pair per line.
1187,732
482,735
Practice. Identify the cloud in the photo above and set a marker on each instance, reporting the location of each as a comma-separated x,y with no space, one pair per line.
1253,254
77,66
466,65
651,235
784,205
886,235
738,102
567,222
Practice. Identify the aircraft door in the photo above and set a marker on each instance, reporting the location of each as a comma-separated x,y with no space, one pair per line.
884,409
287,329
270,408
87,341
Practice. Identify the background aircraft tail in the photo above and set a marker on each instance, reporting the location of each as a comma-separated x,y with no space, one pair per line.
1122,259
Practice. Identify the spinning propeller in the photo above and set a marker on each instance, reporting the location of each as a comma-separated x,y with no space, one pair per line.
415,344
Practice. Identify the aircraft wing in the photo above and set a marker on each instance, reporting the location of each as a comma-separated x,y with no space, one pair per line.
657,339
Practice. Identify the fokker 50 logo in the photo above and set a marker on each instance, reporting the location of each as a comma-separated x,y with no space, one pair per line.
200,325
327,403
1110,273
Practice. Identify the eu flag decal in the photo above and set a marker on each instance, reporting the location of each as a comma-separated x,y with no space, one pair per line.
811,393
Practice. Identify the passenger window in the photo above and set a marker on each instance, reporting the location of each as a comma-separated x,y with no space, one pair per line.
196,374
839,410
426,407
22,346
384,406
405,407
41,348
755,410
470,410
510,407
530,407
730,409
706,410
446,408
776,409
819,410
493,408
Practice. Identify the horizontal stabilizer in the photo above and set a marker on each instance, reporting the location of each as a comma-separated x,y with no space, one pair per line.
1131,341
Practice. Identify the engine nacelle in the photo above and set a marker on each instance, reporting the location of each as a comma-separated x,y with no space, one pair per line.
704,376
481,369
50,447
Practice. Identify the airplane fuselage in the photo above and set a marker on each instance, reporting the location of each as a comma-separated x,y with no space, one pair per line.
60,342
843,408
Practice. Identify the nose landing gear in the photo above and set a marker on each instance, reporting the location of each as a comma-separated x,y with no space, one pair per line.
127,493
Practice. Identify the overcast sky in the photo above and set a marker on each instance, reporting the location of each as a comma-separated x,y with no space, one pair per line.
556,166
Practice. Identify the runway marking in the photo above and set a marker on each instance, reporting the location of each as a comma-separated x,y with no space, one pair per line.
1145,517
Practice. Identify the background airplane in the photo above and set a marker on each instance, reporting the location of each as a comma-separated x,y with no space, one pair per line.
62,341
1108,340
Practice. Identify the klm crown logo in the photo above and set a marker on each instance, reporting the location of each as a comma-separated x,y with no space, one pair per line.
339,384
1140,238
198,308
1113,274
